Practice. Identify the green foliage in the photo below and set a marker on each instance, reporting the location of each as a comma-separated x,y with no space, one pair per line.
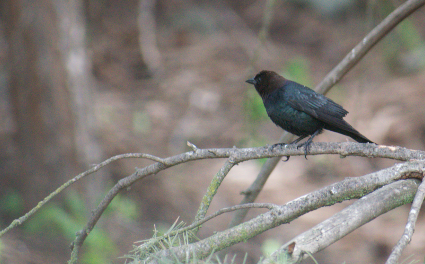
269,246
311,256
162,240
255,114
404,48
12,203
408,260
55,219
166,239
254,107
141,122
123,207
298,70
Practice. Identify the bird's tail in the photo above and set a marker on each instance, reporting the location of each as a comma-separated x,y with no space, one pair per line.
359,138
348,130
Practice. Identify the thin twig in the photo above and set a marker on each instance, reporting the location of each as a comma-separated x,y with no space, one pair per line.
95,168
213,188
269,206
410,226
370,40
333,77
192,146
255,188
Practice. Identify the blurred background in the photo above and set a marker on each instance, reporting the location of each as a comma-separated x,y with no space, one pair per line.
81,81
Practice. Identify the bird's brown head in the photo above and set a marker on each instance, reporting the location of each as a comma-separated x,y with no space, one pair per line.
265,82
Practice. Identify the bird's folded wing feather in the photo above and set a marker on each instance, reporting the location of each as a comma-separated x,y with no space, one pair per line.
316,105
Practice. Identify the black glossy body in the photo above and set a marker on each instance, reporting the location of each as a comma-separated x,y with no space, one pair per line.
300,110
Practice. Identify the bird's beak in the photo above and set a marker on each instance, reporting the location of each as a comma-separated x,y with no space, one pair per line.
251,81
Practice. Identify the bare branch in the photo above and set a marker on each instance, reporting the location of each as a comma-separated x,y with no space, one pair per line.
344,149
255,188
95,168
239,155
269,206
410,226
213,188
192,146
350,188
346,221
370,40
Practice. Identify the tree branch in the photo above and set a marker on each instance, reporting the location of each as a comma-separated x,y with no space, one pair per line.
239,155
370,40
255,188
410,226
350,188
342,223
213,188
343,149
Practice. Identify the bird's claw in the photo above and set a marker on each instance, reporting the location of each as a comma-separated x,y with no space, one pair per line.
306,148
279,145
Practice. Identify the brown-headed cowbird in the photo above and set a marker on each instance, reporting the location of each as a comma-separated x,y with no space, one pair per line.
300,110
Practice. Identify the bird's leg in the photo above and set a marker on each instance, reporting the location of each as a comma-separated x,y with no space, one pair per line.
309,141
298,140
283,144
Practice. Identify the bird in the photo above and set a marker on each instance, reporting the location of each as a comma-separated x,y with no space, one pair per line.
300,110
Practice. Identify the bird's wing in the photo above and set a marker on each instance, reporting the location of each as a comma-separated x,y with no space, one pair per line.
316,105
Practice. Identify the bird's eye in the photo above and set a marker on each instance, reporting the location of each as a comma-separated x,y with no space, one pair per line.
258,79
